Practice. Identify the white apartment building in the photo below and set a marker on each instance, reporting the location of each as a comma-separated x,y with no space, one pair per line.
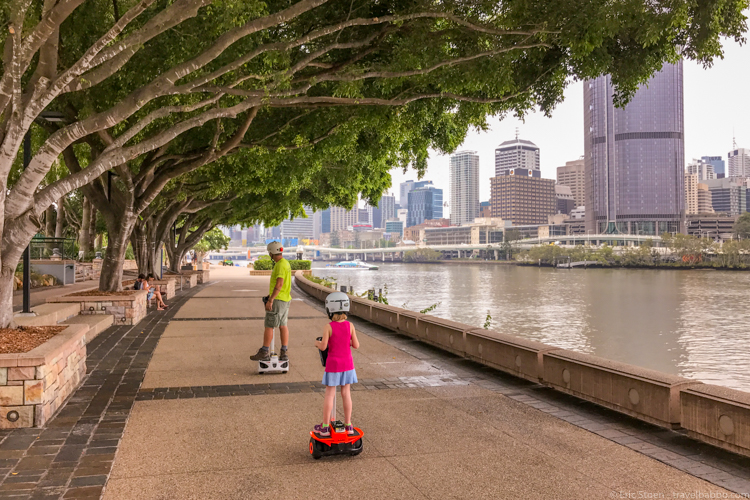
464,185
738,163
342,218
704,171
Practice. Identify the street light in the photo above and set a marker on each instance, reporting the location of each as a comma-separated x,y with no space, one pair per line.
50,116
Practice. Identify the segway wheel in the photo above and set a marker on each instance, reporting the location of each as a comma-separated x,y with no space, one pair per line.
314,449
358,447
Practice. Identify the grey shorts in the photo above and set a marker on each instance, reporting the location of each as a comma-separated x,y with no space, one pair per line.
278,314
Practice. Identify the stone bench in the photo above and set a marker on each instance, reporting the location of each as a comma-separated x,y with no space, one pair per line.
126,309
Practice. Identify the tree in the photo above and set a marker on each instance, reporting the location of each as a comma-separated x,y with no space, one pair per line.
509,238
145,82
742,226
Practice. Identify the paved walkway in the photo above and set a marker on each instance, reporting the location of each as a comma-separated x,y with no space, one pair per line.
200,423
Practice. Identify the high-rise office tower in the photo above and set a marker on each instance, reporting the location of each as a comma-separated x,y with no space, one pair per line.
573,175
635,156
738,163
425,203
691,193
385,210
406,187
565,201
299,227
717,163
464,185
521,198
342,218
728,196
517,153
325,221
704,171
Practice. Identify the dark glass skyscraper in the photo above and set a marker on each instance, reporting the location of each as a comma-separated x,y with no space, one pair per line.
425,203
635,156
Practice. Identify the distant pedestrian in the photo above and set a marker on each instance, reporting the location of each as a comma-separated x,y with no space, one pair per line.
277,305
339,337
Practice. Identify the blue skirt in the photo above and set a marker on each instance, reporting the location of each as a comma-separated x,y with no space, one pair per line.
333,379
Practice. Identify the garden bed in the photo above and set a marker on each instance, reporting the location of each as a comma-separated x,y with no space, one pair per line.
99,293
25,338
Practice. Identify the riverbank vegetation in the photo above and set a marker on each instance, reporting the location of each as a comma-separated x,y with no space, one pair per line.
682,251
422,255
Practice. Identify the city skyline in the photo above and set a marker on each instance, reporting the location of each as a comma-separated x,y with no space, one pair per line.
712,120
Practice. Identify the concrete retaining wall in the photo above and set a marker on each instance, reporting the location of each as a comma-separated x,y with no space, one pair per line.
645,394
717,415
712,414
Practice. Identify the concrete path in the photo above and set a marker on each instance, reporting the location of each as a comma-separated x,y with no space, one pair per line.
205,425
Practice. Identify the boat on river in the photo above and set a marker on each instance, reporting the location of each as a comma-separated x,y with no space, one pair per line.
354,264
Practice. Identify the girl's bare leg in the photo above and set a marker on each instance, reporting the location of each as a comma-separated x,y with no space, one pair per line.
328,404
346,399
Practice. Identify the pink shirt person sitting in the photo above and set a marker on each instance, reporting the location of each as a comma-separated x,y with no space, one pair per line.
339,337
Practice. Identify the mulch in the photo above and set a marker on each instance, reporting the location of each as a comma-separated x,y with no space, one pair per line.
99,293
26,338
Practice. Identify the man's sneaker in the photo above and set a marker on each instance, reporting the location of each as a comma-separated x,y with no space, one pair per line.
283,355
262,355
322,431
350,430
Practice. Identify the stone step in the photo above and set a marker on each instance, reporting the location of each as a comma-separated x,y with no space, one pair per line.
48,314
97,323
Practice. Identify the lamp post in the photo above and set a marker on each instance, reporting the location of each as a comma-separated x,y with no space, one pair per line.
50,116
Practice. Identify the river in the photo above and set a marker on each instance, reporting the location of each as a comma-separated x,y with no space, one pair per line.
689,323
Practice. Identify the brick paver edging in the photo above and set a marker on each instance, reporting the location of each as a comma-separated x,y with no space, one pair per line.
676,449
72,457
218,391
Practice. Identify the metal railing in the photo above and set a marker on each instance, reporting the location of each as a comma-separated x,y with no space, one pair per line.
43,248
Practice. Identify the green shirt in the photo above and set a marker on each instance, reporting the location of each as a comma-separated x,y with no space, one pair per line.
282,269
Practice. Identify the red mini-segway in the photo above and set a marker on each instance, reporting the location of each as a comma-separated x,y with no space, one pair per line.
339,442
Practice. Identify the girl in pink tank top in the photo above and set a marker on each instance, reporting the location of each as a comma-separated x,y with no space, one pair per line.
338,338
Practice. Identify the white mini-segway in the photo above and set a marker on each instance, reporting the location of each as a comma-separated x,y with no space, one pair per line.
274,365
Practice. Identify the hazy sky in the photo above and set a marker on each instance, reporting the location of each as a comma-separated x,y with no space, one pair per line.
717,105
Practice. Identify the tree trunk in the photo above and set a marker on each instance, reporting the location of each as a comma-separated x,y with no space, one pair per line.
83,240
119,230
6,298
49,226
141,248
92,230
60,222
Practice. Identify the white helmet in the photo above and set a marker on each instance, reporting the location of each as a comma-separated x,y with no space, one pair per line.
274,248
337,302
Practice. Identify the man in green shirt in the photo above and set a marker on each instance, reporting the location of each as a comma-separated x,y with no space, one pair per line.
277,307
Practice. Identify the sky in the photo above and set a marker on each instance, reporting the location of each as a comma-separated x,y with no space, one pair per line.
717,107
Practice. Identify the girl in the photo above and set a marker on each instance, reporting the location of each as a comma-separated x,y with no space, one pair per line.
338,338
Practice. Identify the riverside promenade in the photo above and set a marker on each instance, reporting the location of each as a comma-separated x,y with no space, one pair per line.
173,408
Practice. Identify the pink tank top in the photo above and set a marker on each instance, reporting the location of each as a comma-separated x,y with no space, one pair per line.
339,348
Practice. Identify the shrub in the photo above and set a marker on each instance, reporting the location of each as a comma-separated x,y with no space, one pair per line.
422,255
263,265
300,265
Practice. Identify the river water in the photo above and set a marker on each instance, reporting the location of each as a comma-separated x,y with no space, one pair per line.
689,323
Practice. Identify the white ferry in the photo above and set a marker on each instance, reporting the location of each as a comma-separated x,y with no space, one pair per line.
354,264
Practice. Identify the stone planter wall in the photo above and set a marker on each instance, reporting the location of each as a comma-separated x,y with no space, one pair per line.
166,287
34,385
191,279
126,309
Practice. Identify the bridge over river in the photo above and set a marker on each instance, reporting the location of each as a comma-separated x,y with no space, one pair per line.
457,250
